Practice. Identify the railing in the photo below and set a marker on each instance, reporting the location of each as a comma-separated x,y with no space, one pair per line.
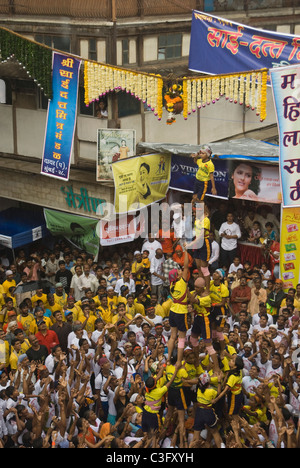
118,9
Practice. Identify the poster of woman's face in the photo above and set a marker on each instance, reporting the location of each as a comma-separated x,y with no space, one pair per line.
251,181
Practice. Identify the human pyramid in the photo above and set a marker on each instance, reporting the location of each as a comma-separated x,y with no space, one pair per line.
174,344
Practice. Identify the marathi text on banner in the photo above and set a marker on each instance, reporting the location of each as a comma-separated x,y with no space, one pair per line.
229,47
290,247
285,84
61,117
140,181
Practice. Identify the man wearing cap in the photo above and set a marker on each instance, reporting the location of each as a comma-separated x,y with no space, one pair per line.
39,316
9,281
137,268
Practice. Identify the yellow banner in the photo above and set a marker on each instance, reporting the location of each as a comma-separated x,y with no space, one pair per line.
290,247
140,181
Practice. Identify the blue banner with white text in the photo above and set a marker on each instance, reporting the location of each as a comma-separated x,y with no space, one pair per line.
183,173
61,117
219,46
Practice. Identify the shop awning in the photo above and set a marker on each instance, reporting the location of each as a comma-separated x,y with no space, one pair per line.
19,227
241,148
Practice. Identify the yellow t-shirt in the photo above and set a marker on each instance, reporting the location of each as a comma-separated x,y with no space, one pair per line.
8,284
135,309
153,399
200,225
205,304
217,293
166,305
13,359
36,298
235,383
90,324
61,300
178,292
206,397
181,374
26,322
204,170
33,328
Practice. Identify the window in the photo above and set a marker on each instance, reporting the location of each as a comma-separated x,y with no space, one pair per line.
83,109
169,46
125,51
92,49
62,43
127,104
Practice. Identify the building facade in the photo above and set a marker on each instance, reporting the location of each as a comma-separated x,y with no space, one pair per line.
149,36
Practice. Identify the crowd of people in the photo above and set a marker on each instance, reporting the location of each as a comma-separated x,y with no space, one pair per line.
158,343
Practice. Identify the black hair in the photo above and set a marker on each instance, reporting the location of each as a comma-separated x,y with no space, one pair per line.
254,184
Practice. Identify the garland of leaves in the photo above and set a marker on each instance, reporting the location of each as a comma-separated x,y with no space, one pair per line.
32,56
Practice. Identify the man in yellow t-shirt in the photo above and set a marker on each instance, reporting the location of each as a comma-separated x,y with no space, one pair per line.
202,327
204,174
9,281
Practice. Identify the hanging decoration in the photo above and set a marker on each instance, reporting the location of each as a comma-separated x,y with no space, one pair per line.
33,57
249,88
173,102
100,79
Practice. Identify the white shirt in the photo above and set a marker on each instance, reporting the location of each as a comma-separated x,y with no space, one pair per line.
215,252
232,229
89,281
233,268
121,282
156,267
75,287
151,247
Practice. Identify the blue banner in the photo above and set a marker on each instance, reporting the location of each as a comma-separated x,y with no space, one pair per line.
219,46
61,117
183,173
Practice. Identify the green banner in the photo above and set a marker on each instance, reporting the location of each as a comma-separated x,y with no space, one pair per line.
79,230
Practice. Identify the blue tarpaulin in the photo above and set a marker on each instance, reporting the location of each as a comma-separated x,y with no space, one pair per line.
19,227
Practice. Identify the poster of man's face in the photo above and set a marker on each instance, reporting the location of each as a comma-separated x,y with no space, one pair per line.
113,145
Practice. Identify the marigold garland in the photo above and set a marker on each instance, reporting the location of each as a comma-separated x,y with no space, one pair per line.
249,88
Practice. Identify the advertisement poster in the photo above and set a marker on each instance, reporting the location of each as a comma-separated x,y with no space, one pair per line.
255,182
219,46
286,92
61,117
290,247
140,181
125,228
183,172
83,232
113,145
